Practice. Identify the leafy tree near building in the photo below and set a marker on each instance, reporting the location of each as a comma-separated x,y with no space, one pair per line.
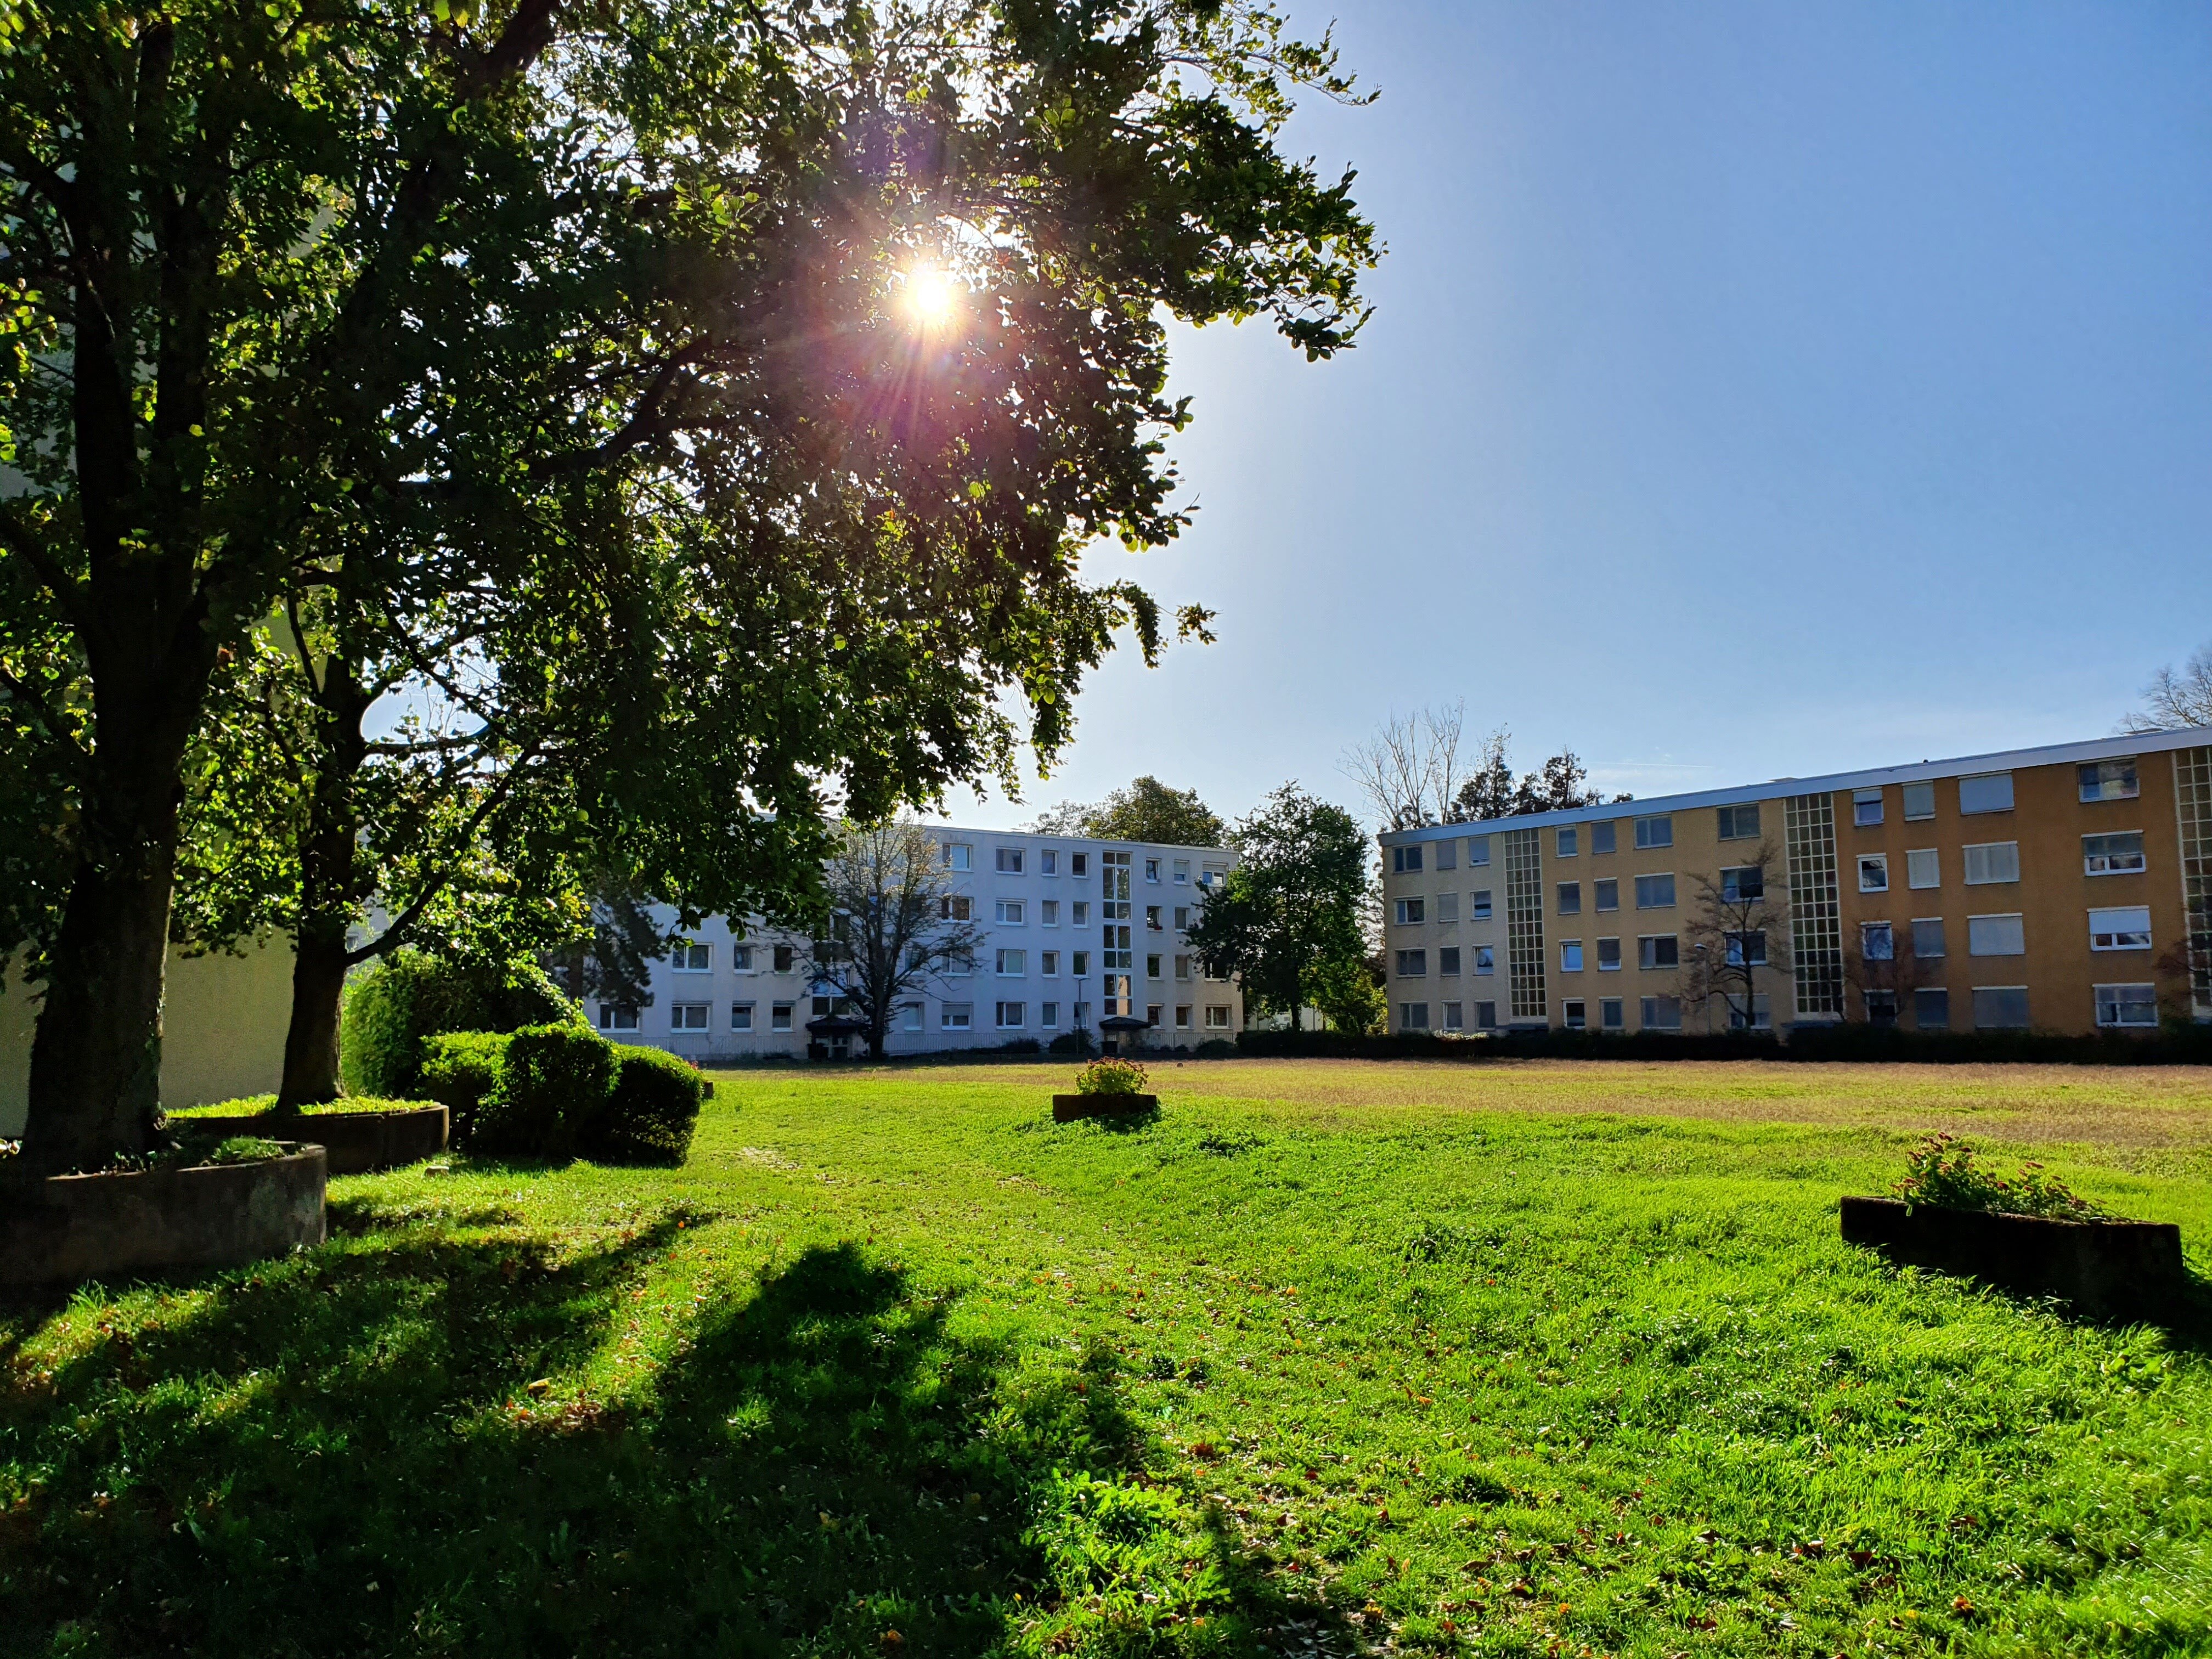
1286,921
890,927
1148,810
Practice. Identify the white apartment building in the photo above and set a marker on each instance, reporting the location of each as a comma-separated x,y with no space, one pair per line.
1075,930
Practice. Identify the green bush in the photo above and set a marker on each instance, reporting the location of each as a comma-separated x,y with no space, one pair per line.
1076,1042
1111,1076
555,1080
650,1116
458,1070
1216,1048
411,995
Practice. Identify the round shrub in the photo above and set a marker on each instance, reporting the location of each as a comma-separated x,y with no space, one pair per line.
458,1070
654,1108
411,994
554,1082
1111,1076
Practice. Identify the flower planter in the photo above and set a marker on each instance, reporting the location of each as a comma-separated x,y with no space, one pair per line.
357,1142
1065,1109
65,1228
2121,1269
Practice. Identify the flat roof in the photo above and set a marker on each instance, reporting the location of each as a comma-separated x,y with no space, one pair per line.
2057,754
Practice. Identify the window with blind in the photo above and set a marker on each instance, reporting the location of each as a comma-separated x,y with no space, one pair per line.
1992,862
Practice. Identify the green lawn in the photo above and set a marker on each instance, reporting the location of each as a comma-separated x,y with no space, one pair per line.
1329,1358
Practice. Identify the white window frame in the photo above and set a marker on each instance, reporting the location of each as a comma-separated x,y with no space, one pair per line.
1652,1008
1182,968
1923,861
956,1016
1603,966
1604,836
959,855
1152,871
780,1016
1574,1013
1048,913
909,1016
1478,905
1647,953
1018,1023
1571,955
1009,913
1048,861
1455,1017
1216,1015
1477,852
1991,779
2102,864
741,1016
612,1018
1942,943
692,958
1566,842
1598,891
1654,832
1868,862
1048,963
1018,958
1048,1015
1412,1015
2110,996
741,959
1979,990
1921,795
2113,935
1882,933
1667,903
2092,789
1008,861
1182,1016
2002,855
690,1017
1410,912
1486,959
1181,871
1867,807
2014,916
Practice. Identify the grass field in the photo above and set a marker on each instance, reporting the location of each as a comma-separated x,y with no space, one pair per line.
1535,1359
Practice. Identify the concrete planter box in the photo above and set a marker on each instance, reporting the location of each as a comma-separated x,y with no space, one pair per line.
357,1142
2106,1269
1065,1109
66,1228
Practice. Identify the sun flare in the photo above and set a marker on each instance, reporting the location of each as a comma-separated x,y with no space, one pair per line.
932,295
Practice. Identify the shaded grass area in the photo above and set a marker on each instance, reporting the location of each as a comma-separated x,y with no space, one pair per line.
895,1365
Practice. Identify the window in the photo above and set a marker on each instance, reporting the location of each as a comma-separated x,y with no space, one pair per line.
1182,880
1216,1015
956,1016
1153,922
1447,855
1604,837
1663,1013
1047,862
1048,912
910,1016
1606,895
1447,907
1570,898
1874,872
1880,1007
1478,850
1995,936
1079,962
782,958
2127,1005
1658,951
1152,967
1932,1008
1742,882
1455,1019
1152,1013
741,1016
618,1019
1078,863
2112,780
779,1017
1876,942
1079,912
1655,892
1048,1012
1212,877
1992,862
1012,1015
1571,1016
741,958
1152,874
1486,1016
1760,1019
1412,1015
1183,966
1182,1016
958,907
1608,956
1010,860
1865,807
1924,867
1919,802
1747,950
1999,1007
1049,963
1412,911
1571,955
2120,854
1478,905
1010,913
1448,959
1012,963
687,1016
2124,929
1404,860
1569,842
1928,937
1412,964
1082,1014
691,958
1608,1014
1485,958
1182,917
1989,792
1739,823
959,856
1654,832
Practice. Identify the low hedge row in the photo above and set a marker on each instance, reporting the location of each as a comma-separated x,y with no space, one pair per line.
563,1091
2175,1045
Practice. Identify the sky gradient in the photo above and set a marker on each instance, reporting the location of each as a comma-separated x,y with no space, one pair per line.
1752,390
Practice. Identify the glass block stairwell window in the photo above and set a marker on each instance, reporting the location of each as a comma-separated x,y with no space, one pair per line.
1816,938
2192,803
1524,923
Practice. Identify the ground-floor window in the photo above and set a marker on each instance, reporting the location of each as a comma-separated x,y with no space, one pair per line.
779,1017
687,1016
956,1016
741,1016
1663,1013
1932,1008
1182,1016
1012,1015
1216,1015
2127,1005
1412,1015
1486,1016
1609,1014
1455,1018
909,1017
2001,1008
1152,1013
1573,1014
618,1019
1049,1015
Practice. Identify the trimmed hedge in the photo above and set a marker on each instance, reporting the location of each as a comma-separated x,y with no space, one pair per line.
650,1116
458,1070
553,1089
555,1080
2175,1045
411,995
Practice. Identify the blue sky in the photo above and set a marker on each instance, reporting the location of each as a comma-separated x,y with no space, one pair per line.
1752,390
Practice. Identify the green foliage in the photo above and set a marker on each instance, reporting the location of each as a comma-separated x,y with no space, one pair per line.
1289,915
1942,1172
1077,1042
203,1150
1148,810
251,1105
1343,987
411,995
555,1082
650,1116
1111,1075
458,1070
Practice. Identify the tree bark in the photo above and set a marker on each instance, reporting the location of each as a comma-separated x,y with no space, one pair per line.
311,1042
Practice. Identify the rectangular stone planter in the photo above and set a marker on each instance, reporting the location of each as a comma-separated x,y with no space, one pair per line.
2106,1269
1065,1109
357,1142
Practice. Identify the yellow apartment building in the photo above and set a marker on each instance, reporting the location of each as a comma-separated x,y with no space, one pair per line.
2064,889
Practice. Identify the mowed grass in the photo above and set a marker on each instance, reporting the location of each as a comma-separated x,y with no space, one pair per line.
1330,1357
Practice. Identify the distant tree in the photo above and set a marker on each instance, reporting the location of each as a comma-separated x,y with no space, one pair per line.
1148,810
1409,770
1882,967
1070,817
1491,791
1557,787
1488,791
891,924
1738,933
2176,698
1287,921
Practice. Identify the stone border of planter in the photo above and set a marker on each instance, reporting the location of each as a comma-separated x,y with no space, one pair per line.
2106,1269
66,1228
357,1142
1067,1109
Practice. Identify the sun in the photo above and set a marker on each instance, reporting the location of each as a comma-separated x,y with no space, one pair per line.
932,295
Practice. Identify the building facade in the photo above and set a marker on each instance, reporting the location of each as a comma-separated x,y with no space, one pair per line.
1074,931
2065,888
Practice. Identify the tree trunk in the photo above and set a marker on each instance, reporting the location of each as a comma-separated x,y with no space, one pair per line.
310,1042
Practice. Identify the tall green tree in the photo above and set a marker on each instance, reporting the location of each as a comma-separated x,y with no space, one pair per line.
835,332
1287,921
1148,810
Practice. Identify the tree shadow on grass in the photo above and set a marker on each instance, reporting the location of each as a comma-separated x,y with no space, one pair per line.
342,1453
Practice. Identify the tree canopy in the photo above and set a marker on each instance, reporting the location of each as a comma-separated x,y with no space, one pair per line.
1148,810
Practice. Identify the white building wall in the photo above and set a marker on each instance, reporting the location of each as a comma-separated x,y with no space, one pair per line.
1053,986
